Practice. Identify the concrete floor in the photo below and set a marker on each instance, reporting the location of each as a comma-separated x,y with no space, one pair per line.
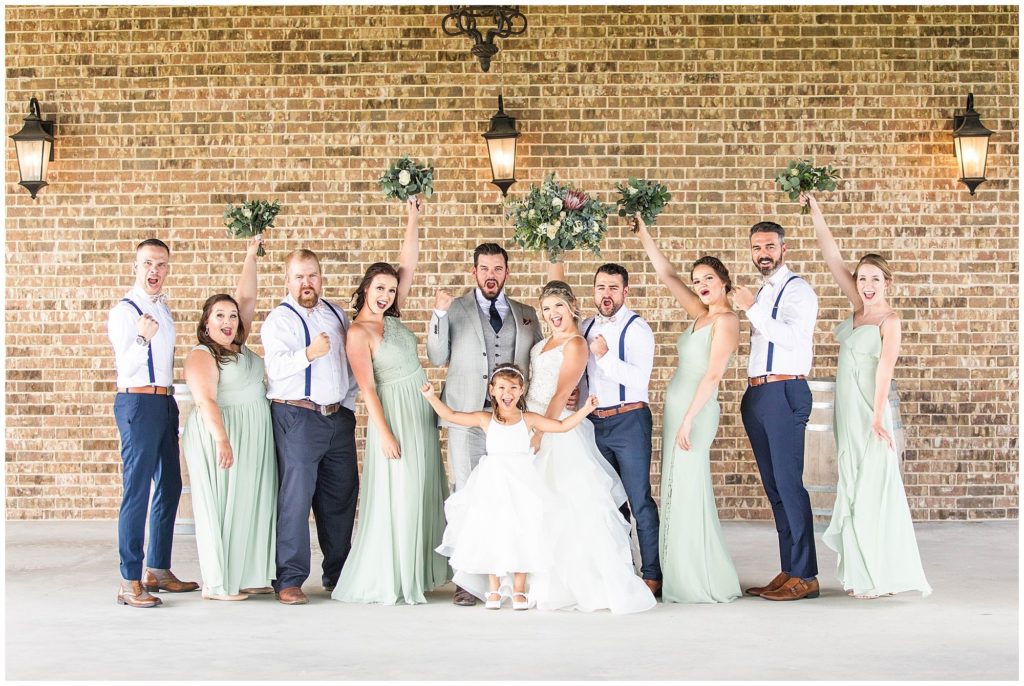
63,624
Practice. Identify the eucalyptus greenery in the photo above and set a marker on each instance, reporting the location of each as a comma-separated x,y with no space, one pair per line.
250,219
801,176
646,197
404,178
556,217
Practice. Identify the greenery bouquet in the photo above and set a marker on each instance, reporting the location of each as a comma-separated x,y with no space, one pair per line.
646,197
556,217
801,176
404,178
250,219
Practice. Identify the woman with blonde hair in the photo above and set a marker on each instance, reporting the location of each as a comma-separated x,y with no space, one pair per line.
871,529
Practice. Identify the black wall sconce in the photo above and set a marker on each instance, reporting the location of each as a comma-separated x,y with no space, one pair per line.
970,142
461,21
34,146
501,148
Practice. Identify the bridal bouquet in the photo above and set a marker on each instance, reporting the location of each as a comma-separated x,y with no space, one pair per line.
404,178
801,176
556,217
250,219
646,197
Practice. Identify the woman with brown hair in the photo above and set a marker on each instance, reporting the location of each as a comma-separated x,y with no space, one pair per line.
229,447
401,498
871,528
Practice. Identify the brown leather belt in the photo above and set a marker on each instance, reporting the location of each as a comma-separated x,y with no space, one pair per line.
621,409
148,390
325,410
772,378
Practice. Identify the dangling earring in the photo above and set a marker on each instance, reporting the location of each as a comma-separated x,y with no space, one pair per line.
206,331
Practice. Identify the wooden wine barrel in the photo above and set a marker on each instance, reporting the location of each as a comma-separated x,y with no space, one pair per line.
821,469
185,523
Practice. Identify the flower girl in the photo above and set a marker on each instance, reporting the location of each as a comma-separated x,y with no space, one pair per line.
496,521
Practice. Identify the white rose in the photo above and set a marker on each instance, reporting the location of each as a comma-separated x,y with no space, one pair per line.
543,228
552,231
404,178
533,213
561,214
577,228
556,202
633,190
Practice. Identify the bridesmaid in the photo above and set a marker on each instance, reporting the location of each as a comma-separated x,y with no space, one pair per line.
229,447
401,501
695,564
871,529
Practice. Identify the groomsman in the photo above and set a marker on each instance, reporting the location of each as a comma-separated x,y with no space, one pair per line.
618,373
472,334
777,404
313,394
141,330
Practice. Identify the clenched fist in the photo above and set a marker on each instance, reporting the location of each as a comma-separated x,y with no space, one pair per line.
320,346
443,300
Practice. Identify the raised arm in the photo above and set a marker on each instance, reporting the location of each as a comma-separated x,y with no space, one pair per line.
725,337
830,251
245,293
409,257
667,273
202,375
360,359
891,330
470,419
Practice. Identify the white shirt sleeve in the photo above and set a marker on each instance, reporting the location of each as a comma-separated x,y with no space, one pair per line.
639,350
795,319
122,330
283,347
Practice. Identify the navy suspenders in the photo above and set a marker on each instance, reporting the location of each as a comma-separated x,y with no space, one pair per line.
152,372
305,330
622,347
775,311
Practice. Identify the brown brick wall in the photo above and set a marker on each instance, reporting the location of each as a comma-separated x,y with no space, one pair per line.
166,114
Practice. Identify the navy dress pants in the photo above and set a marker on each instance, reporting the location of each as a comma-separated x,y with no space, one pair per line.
625,441
316,467
775,417
148,425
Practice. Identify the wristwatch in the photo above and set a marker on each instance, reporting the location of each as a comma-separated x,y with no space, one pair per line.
141,340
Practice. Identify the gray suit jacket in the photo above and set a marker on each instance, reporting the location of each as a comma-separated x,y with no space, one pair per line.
457,340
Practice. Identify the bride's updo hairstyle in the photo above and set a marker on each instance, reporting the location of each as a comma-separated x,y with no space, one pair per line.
508,371
562,291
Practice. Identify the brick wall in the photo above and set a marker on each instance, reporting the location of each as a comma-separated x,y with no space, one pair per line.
166,114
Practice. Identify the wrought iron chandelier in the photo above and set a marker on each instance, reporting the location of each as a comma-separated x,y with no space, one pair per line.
462,20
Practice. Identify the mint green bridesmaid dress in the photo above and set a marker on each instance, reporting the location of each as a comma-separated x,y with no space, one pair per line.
871,529
235,508
695,565
401,502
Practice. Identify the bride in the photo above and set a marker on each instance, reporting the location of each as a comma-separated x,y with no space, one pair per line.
589,547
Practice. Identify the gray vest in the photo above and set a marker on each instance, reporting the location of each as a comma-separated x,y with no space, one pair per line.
501,346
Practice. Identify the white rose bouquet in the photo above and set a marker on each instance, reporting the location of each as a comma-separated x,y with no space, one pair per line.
404,179
646,197
556,217
250,219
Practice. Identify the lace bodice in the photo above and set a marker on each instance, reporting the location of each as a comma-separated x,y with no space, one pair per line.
544,368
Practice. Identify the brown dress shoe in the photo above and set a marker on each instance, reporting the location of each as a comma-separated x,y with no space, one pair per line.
655,586
155,580
794,589
463,597
292,595
132,593
773,585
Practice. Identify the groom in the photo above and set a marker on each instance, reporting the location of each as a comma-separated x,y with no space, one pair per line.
472,334
618,373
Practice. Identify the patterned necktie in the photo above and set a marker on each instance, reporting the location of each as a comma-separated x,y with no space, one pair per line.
159,298
495,317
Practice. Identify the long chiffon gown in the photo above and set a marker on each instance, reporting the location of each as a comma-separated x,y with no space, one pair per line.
695,565
871,529
235,508
401,502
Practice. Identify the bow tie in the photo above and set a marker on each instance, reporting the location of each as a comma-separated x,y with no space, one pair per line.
605,320
159,298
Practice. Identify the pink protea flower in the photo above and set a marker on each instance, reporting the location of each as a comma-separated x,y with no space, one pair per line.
574,200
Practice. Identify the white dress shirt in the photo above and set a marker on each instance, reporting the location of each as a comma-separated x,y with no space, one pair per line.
284,347
132,359
792,330
605,375
501,302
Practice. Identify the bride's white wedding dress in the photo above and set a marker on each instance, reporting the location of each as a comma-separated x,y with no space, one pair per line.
587,539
